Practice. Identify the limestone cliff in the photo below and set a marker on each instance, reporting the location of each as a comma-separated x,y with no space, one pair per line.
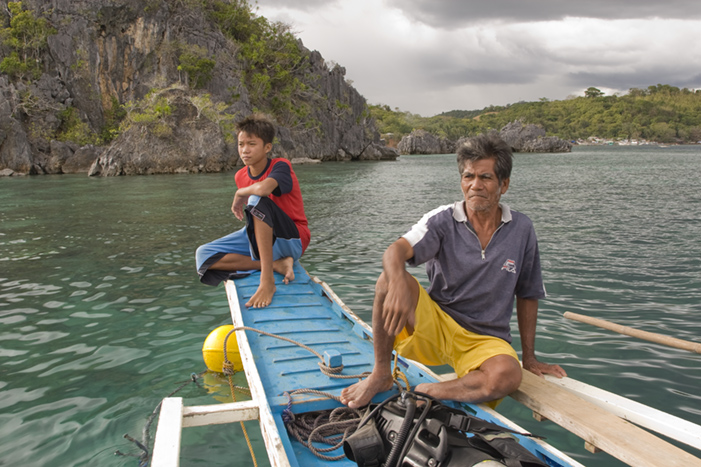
104,59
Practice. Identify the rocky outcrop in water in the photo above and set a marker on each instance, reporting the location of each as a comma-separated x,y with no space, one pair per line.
423,142
521,138
104,54
532,138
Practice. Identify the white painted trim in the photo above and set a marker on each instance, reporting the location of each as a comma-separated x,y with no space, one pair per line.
271,436
202,415
166,446
634,412
340,303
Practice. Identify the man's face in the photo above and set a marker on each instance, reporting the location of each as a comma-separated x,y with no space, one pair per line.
480,185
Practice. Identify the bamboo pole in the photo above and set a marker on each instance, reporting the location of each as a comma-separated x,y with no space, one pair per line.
628,331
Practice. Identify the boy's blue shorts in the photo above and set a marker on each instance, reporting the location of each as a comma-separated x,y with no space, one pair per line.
286,241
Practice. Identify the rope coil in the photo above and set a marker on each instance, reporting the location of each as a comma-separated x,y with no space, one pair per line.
330,429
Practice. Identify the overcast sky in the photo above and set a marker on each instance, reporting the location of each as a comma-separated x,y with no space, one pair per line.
432,56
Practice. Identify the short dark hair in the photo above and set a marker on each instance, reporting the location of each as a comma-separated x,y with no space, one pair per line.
259,125
487,146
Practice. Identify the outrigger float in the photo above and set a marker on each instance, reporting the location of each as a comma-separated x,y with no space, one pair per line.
284,378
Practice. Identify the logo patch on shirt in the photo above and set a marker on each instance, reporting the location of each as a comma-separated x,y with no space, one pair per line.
510,266
258,214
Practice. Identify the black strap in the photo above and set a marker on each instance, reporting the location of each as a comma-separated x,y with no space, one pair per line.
470,424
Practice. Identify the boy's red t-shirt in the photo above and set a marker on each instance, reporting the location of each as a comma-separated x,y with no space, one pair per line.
287,195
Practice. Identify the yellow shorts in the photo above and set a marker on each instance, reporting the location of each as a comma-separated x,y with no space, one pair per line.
439,340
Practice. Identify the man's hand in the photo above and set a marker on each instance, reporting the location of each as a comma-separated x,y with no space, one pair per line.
400,300
540,368
238,204
398,306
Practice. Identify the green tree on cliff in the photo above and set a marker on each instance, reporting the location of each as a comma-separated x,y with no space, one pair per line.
25,38
197,66
273,62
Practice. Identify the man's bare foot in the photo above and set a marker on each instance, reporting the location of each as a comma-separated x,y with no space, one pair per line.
263,296
361,393
285,267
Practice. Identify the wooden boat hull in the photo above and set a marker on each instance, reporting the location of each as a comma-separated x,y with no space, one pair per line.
307,311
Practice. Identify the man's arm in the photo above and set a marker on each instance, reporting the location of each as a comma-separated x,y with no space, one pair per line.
399,303
263,188
527,313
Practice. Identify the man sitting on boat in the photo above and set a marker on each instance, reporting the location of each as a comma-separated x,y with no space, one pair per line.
479,255
276,232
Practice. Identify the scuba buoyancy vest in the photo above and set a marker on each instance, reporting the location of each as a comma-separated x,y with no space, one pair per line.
398,433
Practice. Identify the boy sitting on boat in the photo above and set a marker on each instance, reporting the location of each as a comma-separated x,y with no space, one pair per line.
479,255
276,232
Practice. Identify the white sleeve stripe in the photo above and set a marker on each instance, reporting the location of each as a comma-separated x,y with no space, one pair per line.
419,230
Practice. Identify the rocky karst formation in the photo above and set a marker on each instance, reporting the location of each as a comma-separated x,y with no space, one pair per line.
521,138
423,142
532,138
104,54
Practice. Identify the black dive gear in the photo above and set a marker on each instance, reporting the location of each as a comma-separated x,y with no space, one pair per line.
398,433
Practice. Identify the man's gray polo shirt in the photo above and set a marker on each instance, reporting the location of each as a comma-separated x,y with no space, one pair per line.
473,286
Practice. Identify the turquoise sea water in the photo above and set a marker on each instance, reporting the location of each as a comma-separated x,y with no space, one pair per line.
101,313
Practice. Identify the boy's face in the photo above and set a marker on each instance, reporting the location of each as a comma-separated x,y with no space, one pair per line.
252,150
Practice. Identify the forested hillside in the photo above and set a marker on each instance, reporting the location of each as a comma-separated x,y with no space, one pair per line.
661,113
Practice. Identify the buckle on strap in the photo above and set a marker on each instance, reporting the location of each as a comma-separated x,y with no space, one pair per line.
459,421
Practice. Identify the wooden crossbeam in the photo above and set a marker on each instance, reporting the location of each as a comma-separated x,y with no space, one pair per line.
599,428
647,417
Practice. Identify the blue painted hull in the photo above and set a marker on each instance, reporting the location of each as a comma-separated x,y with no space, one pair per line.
304,312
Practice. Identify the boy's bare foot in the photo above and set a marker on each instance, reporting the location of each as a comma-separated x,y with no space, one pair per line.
285,267
264,294
361,393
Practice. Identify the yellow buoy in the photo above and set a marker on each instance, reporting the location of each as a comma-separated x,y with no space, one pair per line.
213,349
